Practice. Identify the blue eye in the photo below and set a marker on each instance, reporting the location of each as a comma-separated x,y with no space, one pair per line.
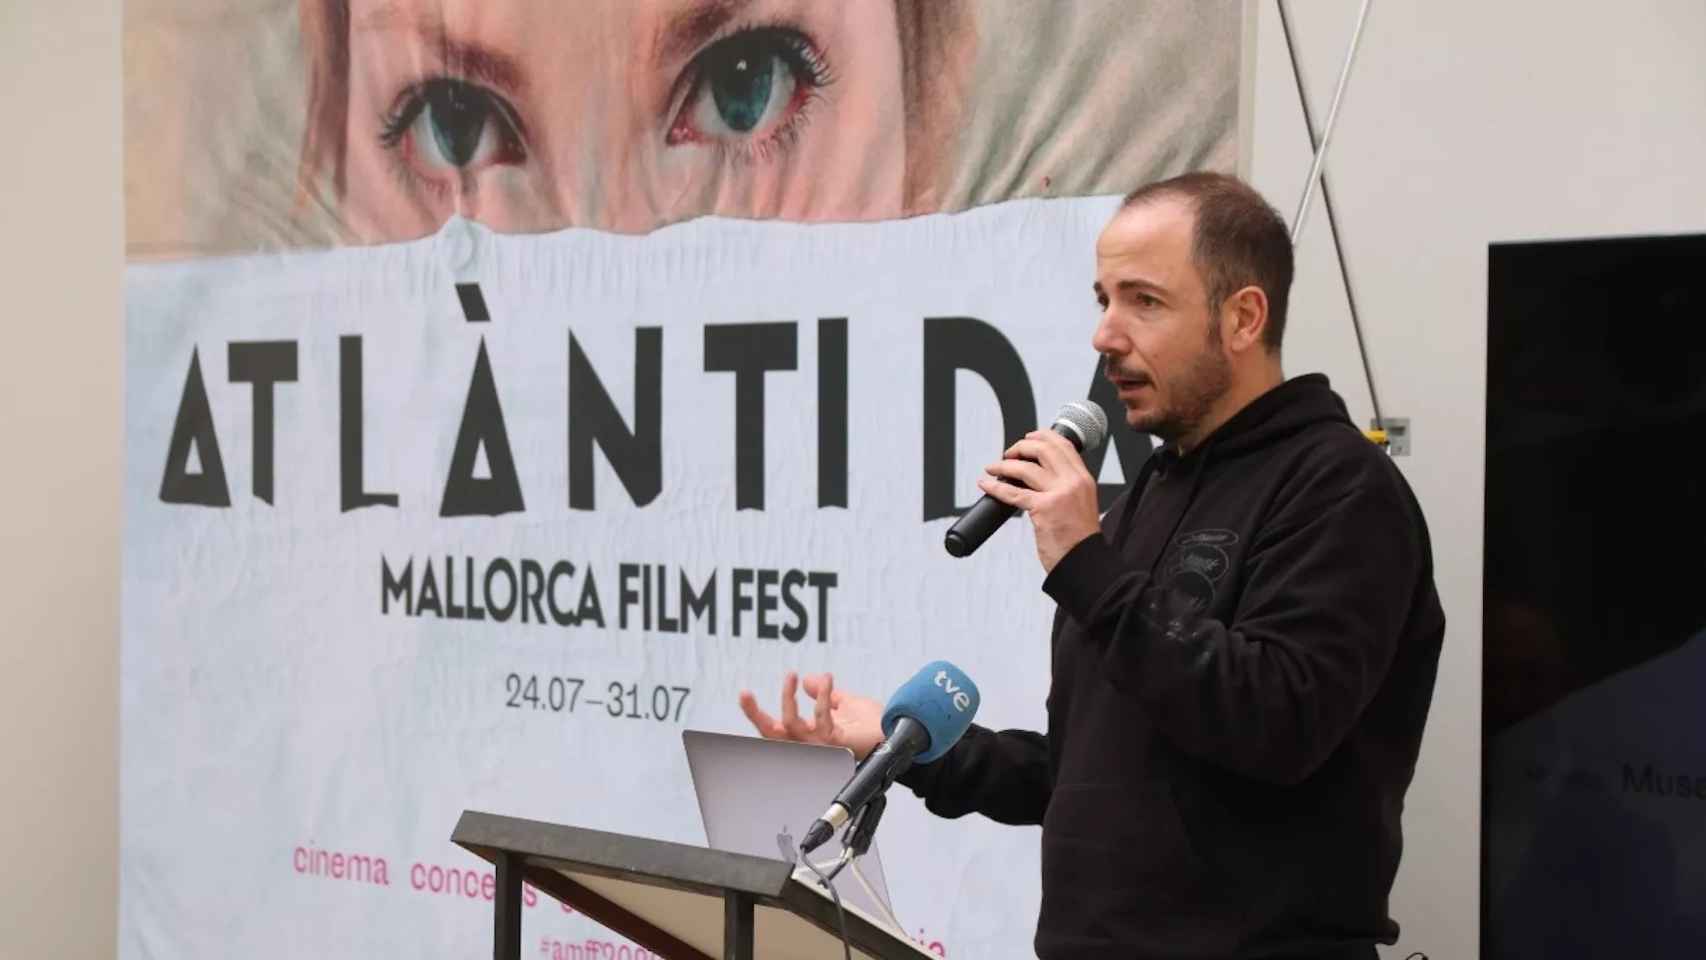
740,72
454,124
457,121
749,88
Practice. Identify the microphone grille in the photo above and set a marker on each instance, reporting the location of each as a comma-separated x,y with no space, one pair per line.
1087,418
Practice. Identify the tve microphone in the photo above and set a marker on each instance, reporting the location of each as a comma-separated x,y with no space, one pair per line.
925,717
1081,422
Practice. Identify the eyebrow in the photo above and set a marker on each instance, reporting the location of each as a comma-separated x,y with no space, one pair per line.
688,28
1129,285
472,60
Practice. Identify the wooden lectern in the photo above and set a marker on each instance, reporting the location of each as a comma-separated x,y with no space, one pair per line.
678,901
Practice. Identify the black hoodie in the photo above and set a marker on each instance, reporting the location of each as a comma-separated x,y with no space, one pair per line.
1242,666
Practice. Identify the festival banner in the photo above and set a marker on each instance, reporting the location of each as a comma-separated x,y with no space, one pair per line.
511,384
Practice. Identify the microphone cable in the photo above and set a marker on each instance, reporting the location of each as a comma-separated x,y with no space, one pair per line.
840,914
855,840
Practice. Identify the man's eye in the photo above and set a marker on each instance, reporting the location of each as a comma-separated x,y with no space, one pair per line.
446,124
749,87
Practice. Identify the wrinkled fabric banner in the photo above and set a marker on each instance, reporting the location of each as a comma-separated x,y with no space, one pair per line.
508,385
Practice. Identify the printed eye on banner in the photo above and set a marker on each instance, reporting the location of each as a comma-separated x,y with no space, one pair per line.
751,352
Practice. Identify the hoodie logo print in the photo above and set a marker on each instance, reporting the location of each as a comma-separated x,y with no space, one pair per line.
1208,538
1198,564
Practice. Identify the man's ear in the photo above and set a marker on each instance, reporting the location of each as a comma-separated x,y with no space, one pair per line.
1244,319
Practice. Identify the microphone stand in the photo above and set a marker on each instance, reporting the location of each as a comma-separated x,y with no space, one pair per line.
855,842
860,832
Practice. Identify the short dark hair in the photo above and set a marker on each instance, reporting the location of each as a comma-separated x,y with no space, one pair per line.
1239,240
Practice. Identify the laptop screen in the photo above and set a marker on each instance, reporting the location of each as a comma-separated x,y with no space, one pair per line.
757,796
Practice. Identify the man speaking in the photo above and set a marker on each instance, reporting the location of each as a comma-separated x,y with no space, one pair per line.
1245,645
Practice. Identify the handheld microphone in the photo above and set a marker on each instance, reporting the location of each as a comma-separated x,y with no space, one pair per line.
1082,422
926,716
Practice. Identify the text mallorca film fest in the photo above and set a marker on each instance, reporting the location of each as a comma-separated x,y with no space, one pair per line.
507,385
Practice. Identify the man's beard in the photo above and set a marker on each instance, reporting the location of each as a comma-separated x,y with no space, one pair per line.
1192,394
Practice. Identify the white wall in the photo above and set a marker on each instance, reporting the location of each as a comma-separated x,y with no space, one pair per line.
61,236
1466,123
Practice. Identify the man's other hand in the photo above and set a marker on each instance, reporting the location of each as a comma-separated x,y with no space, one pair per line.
839,718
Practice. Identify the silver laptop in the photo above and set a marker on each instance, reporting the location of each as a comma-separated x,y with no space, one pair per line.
757,795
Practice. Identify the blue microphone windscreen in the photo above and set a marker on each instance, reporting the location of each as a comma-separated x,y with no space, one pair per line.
940,697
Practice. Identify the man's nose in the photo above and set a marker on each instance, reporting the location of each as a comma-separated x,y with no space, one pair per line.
1106,338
